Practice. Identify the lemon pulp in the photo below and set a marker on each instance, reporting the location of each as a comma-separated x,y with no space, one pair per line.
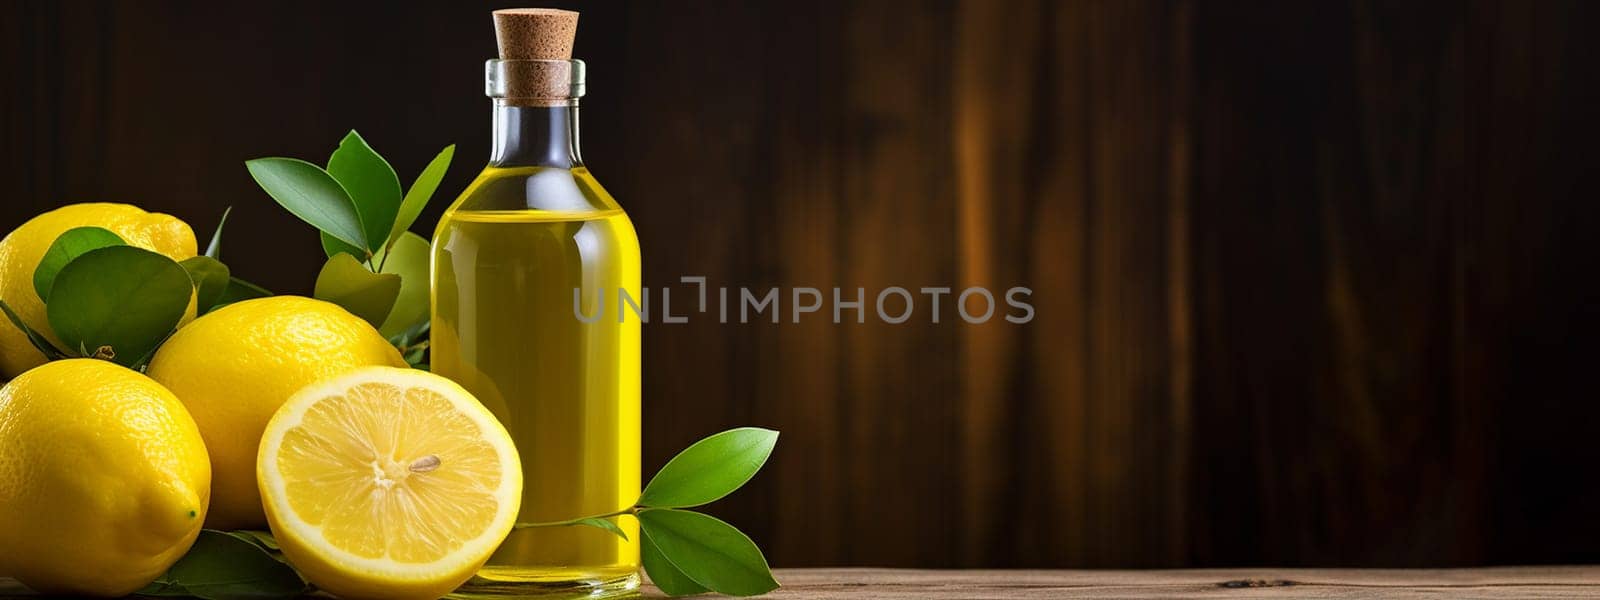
388,482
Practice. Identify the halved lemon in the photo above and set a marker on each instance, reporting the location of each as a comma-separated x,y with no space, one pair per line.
387,483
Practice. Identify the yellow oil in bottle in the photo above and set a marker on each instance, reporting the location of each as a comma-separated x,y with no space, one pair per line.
508,256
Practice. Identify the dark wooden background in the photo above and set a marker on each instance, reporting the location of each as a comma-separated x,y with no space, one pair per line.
1314,280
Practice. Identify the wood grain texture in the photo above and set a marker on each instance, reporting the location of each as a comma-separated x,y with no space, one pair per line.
895,584
1512,582
1359,408
1313,280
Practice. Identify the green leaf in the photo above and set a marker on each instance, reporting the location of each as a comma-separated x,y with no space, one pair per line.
408,259
51,352
263,539
410,336
372,185
332,246
118,303
311,194
210,278
163,587
221,566
606,524
69,245
710,469
416,355
368,295
260,539
239,290
710,552
663,574
214,249
421,191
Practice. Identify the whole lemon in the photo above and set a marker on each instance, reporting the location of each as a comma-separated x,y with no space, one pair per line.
235,366
104,479
22,249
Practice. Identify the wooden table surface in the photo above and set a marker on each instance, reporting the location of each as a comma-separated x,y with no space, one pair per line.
893,584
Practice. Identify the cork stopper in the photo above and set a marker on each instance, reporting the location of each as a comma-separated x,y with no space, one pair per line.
535,33
535,67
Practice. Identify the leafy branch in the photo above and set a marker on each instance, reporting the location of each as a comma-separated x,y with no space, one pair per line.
376,268
687,552
107,299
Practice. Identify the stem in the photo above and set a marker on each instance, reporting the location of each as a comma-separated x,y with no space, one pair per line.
632,510
366,259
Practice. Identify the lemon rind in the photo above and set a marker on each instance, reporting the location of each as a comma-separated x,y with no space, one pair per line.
471,552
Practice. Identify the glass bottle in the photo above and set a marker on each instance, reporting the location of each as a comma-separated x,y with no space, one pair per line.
522,261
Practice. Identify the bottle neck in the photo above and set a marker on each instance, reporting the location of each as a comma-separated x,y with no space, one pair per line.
535,136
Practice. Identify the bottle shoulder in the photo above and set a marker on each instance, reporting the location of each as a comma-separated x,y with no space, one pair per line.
572,191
